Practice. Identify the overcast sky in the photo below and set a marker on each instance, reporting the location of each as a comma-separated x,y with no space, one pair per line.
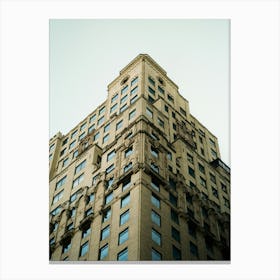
86,55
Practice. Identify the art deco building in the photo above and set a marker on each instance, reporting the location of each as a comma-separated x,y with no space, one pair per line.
139,178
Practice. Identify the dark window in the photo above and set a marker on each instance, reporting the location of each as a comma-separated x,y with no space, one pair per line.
156,256
155,184
154,152
134,81
212,178
191,229
155,201
172,184
128,152
126,183
155,167
176,253
175,234
191,172
201,168
166,108
156,237
66,246
174,217
173,199
224,187
127,167
190,158
86,231
155,218
151,90
150,99
161,90
151,81
193,249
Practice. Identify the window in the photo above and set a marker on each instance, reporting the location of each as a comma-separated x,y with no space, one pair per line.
88,212
74,134
182,111
192,185
189,158
132,100
84,249
214,192
91,128
65,162
174,217
105,232
226,202
170,168
83,126
73,197
172,184
124,217
161,122
202,182
111,155
224,187
155,167
175,234
57,197
52,241
128,152
212,178
61,182
96,136
123,99
201,168
173,199
173,115
200,139
109,183
126,183
176,253
82,136
78,180
150,99
161,90
155,218
156,237
149,112
73,212
212,142
191,172
90,198
151,91
72,144
123,236
156,256
114,98
105,138
155,201
169,155
155,184
54,227
154,136
66,246
103,252
134,81
124,90
127,167
62,152
119,124
70,226
123,255
166,108
106,128
189,198
106,215
110,169
80,167
109,198
92,118
102,110
191,229
101,120
170,98
132,114
134,90
154,152
151,81
193,249
50,156
64,141
56,211
113,108
174,126
125,200
51,147
202,151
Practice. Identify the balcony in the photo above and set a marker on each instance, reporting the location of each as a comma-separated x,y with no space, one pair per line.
219,163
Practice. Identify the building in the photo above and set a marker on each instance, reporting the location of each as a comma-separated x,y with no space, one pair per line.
139,178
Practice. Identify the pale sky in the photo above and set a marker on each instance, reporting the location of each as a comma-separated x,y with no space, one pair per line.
86,55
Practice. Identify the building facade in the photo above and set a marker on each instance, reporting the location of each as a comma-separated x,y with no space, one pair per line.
139,179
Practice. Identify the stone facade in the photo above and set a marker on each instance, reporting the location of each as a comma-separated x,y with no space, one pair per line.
140,178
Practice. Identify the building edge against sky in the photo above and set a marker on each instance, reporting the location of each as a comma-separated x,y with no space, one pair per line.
140,178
